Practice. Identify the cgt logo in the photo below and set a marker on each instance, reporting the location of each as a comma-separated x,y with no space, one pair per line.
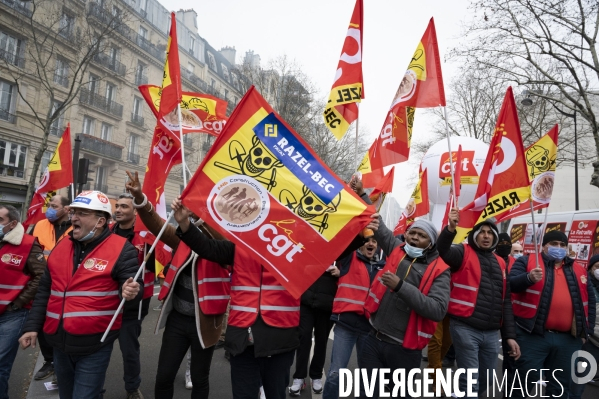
583,367
95,265
467,166
12,259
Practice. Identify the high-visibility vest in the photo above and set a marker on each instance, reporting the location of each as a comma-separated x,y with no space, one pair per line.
419,330
352,288
214,284
45,233
149,277
465,284
255,290
13,259
511,261
526,304
85,300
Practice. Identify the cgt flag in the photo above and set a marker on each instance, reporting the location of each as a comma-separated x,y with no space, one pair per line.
265,189
58,174
200,113
504,181
540,161
417,206
171,79
348,88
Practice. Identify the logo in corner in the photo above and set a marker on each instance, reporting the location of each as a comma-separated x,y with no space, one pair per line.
239,203
95,265
12,259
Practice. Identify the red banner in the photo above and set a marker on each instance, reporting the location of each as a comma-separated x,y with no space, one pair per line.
266,190
171,80
583,240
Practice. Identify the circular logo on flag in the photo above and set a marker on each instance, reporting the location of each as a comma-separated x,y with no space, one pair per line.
6,258
238,203
89,264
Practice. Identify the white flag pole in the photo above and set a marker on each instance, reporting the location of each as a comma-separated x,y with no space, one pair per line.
534,233
182,146
450,155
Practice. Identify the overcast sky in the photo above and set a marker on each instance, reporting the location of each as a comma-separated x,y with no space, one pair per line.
312,32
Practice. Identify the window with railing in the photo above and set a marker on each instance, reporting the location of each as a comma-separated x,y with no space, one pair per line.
12,159
137,114
88,125
106,131
140,74
66,25
192,45
100,102
12,49
20,6
133,150
211,61
100,183
7,100
61,72
56,128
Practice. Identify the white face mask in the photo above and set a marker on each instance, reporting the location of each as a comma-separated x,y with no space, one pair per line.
596,274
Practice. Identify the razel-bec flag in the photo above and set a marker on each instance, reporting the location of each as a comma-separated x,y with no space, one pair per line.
200,113
541,161
58,174
171,79
348,88
266,190
504,181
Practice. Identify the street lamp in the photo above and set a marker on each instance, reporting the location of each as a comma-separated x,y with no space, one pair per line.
527,102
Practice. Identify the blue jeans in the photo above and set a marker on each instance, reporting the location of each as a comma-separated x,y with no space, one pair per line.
129,344
474,349
11,324
81,376
343,345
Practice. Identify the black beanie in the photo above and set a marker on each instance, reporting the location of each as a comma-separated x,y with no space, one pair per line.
555,235
505,237
594,259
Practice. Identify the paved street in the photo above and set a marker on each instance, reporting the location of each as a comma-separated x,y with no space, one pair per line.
22,386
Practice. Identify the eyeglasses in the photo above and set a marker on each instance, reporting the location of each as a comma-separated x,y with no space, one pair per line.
79,214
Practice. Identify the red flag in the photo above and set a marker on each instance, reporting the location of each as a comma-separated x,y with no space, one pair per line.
266,190
348,89
58,174
504,179
457,172
171,81
384,186
418,204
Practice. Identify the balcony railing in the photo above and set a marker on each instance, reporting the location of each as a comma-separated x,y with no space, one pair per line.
110,63
106,17
61,80
102,147
12,58
99,102
133,158
149,47
7,116
141,79
137,119
18,6
195,80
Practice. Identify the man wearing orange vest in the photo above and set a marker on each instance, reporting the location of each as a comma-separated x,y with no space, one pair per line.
21,267
479,305
406,300
80,291
49,231
195,294
554,307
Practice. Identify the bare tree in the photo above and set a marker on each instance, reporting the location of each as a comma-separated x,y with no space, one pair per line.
547,46
62,39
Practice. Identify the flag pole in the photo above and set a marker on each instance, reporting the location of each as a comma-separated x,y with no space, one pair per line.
534,233
139,271
73,191
356,150
182,145
450,156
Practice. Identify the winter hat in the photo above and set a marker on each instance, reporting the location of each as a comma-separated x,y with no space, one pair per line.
555,235
428,228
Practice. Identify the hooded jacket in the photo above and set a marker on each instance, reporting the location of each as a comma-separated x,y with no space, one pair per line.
493,309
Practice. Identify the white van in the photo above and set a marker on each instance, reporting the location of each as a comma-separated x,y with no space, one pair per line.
581,227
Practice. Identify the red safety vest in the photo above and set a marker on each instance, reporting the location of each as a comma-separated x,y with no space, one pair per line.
214,287
511,261
420,330
13,259
255,290
87,299
352,288
465,284
526,304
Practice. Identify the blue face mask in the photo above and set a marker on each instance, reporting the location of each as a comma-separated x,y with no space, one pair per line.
2,226
516,256
557,253
89,235
51,215
413,252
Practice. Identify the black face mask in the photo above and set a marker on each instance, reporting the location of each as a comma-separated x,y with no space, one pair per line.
503,250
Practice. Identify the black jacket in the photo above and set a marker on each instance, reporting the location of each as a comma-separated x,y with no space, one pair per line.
81,345
490,313
321,294
519,282
268,340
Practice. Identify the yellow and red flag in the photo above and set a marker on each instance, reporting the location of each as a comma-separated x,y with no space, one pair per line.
540,161
171,80
383,187
348,88
371,168
504,181
58,174
265,189
418,205
200,113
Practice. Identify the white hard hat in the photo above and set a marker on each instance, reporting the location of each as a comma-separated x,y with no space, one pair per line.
94,200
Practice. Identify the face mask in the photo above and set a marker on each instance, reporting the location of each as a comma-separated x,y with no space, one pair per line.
557,253
89,235
52,215
516,256
413,252
596,274
503,250
2,226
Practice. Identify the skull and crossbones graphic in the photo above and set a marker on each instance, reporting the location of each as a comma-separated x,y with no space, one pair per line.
310,207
